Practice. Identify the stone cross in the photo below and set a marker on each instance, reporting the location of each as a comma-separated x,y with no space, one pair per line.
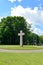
21,37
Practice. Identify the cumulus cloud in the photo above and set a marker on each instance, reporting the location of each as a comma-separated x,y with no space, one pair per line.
38,31
32,16
19,0
12,1
0,18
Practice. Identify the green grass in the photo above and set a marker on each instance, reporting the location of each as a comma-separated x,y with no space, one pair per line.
21,58
17,47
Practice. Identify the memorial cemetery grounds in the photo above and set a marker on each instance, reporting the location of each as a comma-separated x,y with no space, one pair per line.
9,40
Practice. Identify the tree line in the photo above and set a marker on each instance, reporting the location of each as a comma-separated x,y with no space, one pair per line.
11,26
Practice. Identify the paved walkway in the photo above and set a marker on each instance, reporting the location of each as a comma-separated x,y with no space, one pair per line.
21,51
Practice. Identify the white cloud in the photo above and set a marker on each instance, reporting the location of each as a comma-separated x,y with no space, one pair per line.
12,1
38,0
33,16
19,0
37,30
0,18
40,6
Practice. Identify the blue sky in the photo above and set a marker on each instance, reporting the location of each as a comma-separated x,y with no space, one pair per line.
32,10
5,5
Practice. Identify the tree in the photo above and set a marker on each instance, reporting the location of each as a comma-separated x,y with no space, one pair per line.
41,39
21,24
34,39
7,30
11,26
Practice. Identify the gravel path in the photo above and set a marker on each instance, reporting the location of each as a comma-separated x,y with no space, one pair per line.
21,51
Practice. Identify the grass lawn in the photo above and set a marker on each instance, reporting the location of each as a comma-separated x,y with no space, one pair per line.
17,47
21,58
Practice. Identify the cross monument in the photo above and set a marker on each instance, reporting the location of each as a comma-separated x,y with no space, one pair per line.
21,37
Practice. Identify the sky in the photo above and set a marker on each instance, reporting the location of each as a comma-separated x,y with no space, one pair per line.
31,10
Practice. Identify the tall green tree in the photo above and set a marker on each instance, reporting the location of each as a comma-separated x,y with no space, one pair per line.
11,26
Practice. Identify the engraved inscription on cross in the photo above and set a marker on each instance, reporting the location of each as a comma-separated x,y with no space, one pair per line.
21,37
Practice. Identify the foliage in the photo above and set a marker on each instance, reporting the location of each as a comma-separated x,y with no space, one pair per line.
41,39
11,26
